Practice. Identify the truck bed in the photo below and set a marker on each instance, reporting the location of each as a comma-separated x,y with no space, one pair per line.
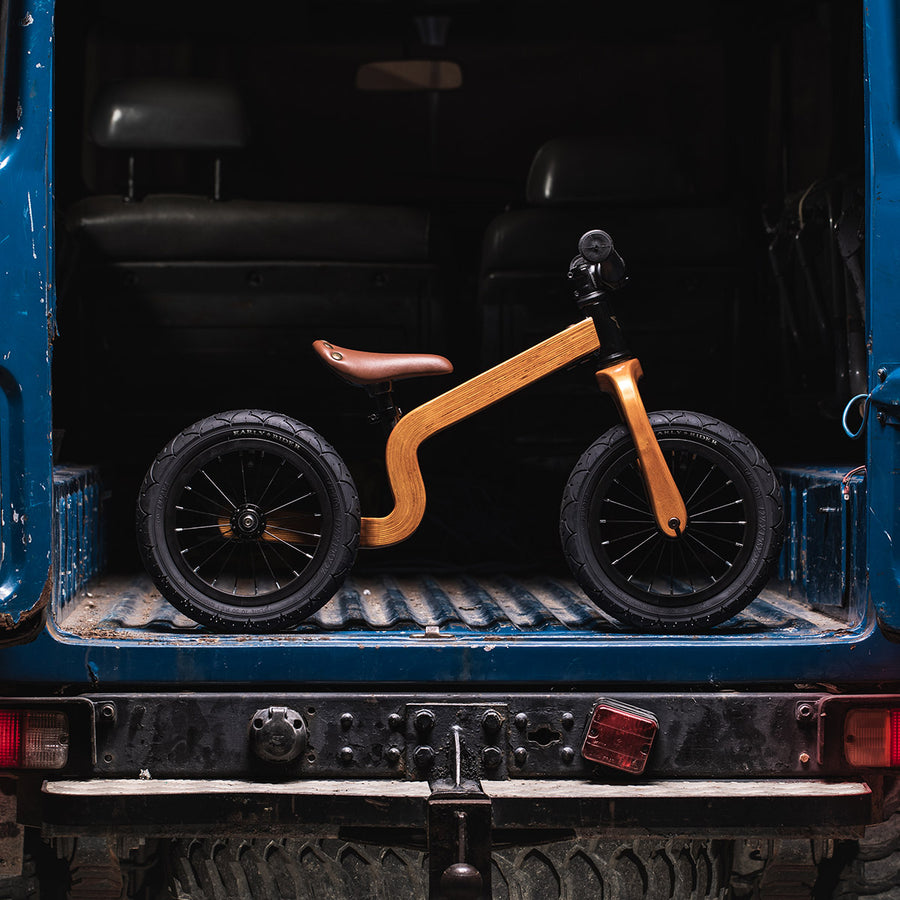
812,624
432,606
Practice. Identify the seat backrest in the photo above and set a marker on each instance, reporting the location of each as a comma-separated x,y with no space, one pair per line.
155,114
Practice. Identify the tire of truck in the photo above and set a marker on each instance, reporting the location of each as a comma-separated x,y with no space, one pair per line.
873,870
248,521
24,886
715,567
332,869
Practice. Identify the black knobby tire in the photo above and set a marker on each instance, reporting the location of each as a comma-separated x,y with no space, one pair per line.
724,555
248,521
335,869
873,870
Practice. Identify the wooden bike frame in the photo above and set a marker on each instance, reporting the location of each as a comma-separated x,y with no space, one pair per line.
575,343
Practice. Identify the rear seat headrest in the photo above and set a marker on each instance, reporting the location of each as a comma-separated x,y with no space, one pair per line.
571,171
166,113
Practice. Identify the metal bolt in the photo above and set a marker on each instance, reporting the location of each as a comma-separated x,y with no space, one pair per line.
521,721
882,374
424,720
805,712
804,758
491,757
347,721
520,755
491,721
568,721
424,756
346,754
675,523
395,722
392,755
567,754
108,711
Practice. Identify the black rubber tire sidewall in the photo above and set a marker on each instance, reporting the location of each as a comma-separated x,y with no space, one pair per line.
759,483
337,549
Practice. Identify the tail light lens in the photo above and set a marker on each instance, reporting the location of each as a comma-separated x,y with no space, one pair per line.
620,736
33,739
872,737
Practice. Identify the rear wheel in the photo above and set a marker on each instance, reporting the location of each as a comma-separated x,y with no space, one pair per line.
715,567
248,521
289,869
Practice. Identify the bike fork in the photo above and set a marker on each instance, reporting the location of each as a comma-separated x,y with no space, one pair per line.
620,381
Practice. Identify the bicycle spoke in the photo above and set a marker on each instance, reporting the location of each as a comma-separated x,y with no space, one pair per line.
278,527
627,537
709,472
205,474
623,505
197,493
198,527
197,512
668,570
686,546
640,497
286,544
260,545
711,535
655,536
693,537
225,543
687,568
289,503
717,508
274,550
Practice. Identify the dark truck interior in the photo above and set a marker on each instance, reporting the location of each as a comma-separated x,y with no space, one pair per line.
415,176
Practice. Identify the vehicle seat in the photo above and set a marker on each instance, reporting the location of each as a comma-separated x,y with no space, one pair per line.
211,282
684,259
191,300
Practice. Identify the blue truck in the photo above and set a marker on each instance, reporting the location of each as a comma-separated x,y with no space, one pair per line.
190,195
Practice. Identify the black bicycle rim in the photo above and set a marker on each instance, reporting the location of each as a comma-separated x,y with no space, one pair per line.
248,523
706,558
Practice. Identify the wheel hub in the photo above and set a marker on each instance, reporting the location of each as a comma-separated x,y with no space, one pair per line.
248,522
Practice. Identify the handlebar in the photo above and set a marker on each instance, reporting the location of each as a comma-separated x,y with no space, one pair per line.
598,262
595,246
595,272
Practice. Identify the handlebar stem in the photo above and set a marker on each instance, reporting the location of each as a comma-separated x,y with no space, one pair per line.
592,300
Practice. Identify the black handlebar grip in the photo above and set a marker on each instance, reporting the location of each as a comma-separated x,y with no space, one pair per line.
595,246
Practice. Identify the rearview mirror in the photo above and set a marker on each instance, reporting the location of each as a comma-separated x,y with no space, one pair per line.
409,75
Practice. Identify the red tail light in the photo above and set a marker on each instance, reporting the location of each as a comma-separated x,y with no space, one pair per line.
872,738
620,736
895,737
33,739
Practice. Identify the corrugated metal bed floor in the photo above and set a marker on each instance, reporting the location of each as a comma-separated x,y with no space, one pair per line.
820,586
498,606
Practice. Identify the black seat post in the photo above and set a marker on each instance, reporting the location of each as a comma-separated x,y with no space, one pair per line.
386,412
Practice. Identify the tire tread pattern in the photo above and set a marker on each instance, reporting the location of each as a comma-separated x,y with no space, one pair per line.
764,476
224,421
333,869
874,871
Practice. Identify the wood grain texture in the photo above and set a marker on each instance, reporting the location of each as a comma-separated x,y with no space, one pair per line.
621,381
401,454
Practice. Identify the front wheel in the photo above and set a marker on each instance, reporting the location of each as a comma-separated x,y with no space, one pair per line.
248,521
724,555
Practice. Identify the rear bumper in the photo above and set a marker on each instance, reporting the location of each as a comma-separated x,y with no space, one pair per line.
685,807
